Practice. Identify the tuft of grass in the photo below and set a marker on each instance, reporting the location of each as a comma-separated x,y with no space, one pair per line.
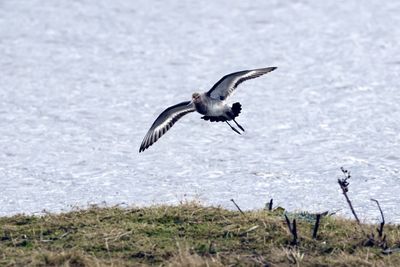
186,235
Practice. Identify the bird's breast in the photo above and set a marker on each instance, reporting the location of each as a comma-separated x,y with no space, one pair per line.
201,108
211,107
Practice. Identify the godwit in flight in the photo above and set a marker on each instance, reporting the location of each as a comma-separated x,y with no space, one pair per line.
212,105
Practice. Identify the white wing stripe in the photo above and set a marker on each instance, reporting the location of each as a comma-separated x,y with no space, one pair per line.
227,84
164,122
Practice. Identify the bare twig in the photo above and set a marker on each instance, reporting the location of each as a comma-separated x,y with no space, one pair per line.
390,251
380,230
381,241
64,235
288,223
270,204
238,207
317,222
244,233
314,235
344,185
293,230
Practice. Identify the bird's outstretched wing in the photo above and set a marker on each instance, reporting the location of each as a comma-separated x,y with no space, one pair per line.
165,121
227,84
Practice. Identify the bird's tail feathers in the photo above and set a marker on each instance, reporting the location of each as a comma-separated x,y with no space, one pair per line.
236,108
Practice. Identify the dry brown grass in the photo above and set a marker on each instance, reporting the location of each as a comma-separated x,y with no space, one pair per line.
185,235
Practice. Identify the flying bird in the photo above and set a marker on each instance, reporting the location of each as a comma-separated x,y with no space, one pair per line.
212,105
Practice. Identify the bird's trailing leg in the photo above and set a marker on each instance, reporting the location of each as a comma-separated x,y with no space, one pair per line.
233,128
241,128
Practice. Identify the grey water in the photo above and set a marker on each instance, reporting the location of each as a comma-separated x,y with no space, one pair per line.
82,81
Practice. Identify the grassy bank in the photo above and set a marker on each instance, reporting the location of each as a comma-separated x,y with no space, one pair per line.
187,235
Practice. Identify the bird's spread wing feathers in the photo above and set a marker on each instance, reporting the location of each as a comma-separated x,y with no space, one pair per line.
165,121
227,84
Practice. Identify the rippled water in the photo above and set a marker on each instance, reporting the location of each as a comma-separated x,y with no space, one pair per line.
82,81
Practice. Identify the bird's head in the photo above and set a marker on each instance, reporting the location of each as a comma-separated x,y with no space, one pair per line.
196,98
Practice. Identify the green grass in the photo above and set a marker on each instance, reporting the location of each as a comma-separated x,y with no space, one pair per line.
185,235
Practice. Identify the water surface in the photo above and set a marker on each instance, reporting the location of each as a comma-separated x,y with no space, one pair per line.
82,81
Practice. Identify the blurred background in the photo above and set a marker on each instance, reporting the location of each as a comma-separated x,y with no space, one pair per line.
82,82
